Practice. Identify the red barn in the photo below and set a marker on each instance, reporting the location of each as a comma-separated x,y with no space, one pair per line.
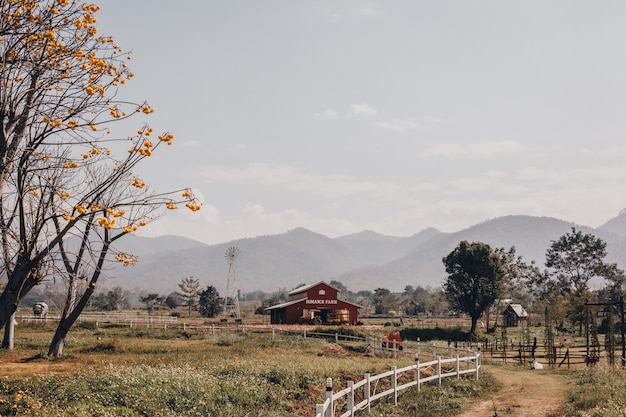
314,304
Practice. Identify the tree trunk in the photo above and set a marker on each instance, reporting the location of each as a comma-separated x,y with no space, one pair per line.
66,323
8,306
9,333
473,328
58,341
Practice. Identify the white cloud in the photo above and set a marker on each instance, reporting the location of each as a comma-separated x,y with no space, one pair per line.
327,114
495,148
448,150
363,110
478,149
397,125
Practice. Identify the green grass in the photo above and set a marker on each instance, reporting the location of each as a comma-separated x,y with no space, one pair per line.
114,371
597,393
201,375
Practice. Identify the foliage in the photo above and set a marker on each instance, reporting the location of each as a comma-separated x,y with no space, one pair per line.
598,393
152,301
383,300
59,173
574,259
436,333
210,302
475,277
112,300
190,288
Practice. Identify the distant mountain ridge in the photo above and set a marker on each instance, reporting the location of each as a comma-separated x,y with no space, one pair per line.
361,261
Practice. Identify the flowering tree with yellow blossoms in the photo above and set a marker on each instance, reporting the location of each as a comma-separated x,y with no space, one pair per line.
61,175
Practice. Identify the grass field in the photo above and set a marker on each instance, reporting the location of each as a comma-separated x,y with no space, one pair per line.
114,370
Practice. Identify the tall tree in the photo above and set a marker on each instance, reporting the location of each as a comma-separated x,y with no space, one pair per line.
575,258
59,176
190,288
210,302
112,300
383,300
152,301
572,261
475,277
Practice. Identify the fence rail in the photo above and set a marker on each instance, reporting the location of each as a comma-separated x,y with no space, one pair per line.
127,319
434,370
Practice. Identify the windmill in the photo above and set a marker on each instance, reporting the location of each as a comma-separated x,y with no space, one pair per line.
231,299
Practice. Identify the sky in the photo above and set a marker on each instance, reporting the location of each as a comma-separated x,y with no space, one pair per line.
390,116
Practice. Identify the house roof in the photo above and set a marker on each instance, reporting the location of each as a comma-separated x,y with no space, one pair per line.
518,310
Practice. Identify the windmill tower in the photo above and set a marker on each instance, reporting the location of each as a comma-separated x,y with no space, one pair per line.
231,300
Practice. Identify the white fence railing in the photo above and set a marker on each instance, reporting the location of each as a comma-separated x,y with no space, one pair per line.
126,319
434,370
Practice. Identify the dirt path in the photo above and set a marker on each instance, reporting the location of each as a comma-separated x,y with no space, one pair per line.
525,392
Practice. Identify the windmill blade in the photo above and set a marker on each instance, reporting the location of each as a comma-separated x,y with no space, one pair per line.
232,254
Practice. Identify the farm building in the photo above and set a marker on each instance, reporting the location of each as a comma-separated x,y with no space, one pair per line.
515,315
314,304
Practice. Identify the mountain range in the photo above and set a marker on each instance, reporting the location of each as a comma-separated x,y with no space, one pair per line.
362,261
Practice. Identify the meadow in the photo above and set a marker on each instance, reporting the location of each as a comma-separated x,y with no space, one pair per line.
113,370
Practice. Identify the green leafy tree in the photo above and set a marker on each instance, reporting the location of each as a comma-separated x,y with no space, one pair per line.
475,277
152,301
111,300
210,302
383,301
575,258
190,288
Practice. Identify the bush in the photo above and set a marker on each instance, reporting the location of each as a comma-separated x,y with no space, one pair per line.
436,333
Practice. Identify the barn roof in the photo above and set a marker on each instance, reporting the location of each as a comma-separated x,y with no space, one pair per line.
288,303
307,287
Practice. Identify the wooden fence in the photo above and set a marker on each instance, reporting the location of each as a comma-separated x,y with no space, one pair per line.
396,380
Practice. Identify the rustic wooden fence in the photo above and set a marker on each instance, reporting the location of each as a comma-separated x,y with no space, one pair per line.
396,380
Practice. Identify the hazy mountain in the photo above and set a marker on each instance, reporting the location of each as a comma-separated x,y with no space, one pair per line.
531,237
362,261
616,225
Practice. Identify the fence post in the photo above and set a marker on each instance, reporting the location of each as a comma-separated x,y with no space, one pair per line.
272,332
319,410
419,346
336,337
329,396
305,332
394,385
351,398
476,364
439,368
367,391
458,375
417,371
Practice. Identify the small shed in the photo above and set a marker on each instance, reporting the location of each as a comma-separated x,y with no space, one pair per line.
314,304
515,315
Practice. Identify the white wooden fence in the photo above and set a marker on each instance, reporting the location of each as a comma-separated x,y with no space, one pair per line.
443,368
